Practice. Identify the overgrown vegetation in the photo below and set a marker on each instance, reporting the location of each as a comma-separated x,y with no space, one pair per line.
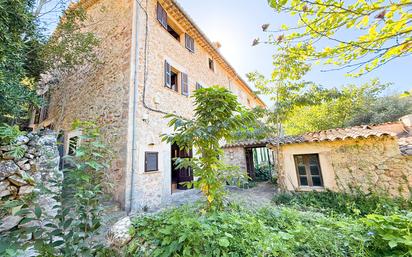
331,224
27,51
73,230
351,106
357,204
217,115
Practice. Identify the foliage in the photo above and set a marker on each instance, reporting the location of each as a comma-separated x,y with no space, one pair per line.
237,232
263,172
78,219
348,103
342,203
8,134
358,36
26,52
18,32
217,115
383,109
392,234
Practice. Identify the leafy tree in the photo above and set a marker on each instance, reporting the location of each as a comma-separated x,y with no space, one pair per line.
26,52
359,36
349,102
18,34
384,109
217,115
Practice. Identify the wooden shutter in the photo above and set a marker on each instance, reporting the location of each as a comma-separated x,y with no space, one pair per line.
185,85
189,43
161,15
168,75
198,86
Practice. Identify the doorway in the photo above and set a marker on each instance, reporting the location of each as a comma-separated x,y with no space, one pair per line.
259,163
180,175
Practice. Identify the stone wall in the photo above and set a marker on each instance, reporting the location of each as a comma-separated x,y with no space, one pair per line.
235,156
99,92
372,165
36,173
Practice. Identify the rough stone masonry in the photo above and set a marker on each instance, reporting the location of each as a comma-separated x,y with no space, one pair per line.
35,174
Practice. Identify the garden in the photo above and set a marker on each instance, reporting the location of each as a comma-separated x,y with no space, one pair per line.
301,224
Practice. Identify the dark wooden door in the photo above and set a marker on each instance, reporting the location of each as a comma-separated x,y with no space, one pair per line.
181,175
249,163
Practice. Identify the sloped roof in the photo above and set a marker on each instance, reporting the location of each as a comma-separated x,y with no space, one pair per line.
358,132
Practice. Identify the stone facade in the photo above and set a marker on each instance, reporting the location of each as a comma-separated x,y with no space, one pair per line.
99,92
133,51
235,156
36,173
372,165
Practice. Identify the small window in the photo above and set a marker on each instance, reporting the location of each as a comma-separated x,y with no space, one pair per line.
173,33
211,65
151,161
198,86
74,143
167,23
189,43
308,170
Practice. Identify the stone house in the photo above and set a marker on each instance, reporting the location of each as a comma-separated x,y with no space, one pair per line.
152,57
369,158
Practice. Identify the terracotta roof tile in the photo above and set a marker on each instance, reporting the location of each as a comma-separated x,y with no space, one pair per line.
358,132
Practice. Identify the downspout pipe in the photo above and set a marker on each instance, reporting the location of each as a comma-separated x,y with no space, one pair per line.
135,103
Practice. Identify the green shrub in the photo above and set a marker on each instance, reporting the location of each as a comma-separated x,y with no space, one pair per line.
8,134
342,203
269,232
263,172
392,234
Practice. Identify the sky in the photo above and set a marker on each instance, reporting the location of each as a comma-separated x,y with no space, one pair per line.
235,23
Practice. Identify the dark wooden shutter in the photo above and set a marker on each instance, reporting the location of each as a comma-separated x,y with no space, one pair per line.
161,15
185,85
189,43
168,75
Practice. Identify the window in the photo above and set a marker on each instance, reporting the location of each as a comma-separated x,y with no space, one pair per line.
198,86
189,43
167,23
211,65
172,79
73,145
151,161
185,84
308,170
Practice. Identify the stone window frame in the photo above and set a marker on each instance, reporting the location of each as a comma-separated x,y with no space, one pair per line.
307,170
69,135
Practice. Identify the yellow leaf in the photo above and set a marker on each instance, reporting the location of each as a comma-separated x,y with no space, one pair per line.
364,22
210,198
